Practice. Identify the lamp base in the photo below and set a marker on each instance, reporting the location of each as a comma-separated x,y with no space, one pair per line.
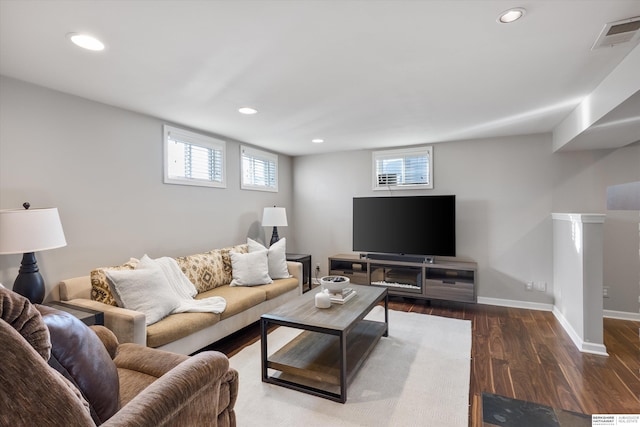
29,282
274,236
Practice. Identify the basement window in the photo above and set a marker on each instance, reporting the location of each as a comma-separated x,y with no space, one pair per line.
193,159
259,170
404,169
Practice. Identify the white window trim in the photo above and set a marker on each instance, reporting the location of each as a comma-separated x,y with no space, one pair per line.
383,154
195,139
260,154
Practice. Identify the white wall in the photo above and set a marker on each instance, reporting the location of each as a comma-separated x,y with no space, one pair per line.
101,166
506,190
578,274
581,179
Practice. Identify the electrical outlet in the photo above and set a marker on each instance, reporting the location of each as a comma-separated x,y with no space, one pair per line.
528,286
605,292
540,286
318,267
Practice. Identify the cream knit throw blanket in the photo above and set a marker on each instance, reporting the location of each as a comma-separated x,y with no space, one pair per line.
185,291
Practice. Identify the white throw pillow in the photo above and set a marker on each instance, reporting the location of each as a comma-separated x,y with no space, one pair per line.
144,289
249,269
276,257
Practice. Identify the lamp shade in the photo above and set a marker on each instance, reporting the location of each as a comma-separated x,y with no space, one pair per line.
30,230
274,217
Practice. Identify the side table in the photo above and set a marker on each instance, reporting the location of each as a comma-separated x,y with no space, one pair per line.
88,316
305,259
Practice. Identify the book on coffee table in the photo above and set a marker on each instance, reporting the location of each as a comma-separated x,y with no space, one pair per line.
344,296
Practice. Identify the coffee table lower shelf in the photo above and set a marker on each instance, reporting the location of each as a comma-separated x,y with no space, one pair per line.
311,361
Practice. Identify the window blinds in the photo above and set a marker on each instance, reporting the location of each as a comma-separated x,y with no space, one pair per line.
401,168
259,170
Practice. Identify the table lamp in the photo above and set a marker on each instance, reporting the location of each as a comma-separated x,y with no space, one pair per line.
28,231
274,217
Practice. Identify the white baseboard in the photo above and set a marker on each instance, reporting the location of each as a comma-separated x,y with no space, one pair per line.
622,315
585,347
612,314
516,304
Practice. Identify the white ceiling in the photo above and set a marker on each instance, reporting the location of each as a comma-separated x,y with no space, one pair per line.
359,74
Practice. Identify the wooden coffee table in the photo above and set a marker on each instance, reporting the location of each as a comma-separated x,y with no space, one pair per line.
324,358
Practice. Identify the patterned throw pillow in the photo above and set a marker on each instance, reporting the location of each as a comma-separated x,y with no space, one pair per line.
203,270
100,289
211,269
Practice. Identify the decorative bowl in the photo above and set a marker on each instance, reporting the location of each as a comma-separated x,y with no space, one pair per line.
334,284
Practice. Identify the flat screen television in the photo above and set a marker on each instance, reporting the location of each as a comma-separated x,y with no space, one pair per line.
411,225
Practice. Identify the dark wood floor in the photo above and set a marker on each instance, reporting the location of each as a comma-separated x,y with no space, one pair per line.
527,355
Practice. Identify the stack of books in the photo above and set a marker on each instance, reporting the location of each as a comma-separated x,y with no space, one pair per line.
342,297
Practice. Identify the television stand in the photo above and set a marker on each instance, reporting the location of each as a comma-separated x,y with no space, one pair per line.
413,277
399,257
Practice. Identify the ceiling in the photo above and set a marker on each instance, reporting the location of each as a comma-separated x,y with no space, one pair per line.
358,74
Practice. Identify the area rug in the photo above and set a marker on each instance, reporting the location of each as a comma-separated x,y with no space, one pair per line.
417,376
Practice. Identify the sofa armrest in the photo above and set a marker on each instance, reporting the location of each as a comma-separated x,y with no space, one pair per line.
127,325
74,288
295,270
186,395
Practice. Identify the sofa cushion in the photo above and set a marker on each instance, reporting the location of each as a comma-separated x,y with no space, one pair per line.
276,257
279,287
239,298
78,353
176,326
250,269
100,288
209,269
145,289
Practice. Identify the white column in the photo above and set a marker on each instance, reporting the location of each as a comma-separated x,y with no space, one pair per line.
578,277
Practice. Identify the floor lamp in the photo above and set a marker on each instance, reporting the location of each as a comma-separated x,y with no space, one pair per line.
27,231
274,217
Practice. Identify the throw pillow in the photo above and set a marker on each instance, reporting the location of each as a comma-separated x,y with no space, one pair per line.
227,269
144,289
276,257
205,270
250,269
100,289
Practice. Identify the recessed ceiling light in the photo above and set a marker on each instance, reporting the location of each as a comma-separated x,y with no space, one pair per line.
247,110
86,41
317,141
511,15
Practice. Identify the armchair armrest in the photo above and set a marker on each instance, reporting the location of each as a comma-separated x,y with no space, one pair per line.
188,394
127,325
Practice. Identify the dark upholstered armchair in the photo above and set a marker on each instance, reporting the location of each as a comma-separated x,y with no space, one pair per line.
54,371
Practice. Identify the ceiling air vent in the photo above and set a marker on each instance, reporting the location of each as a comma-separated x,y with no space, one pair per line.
615,33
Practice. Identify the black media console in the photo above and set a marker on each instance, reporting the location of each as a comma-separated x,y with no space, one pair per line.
411,277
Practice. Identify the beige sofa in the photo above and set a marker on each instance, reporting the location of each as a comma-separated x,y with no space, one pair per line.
186,333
